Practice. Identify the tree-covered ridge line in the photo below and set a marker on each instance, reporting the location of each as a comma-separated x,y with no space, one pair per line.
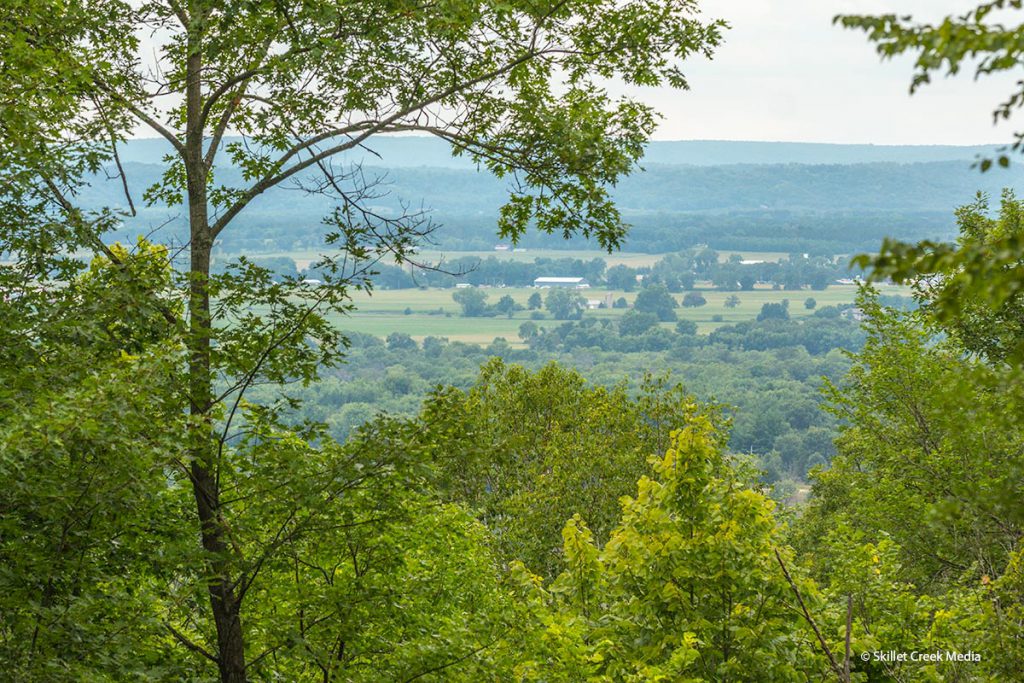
417,151
798,208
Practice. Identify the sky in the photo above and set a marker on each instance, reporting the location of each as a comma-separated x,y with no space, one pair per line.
786,73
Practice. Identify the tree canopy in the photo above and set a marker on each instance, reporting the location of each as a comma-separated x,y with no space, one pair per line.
254,96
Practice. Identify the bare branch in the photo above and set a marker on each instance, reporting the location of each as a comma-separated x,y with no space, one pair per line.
810,620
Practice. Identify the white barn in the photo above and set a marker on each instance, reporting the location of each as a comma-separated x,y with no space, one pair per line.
571,282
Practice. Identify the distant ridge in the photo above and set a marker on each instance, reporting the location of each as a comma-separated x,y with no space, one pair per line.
761,196
421,151
723,152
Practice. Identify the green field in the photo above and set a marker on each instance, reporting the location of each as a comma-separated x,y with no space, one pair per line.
432,312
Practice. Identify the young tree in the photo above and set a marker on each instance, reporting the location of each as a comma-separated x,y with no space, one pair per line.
534,303
279,90
693,300
472,300
586,449
564,304
656,299
688,586
636,322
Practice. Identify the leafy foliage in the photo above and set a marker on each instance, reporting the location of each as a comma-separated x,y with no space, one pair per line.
973,287
587,446
687,586
908,468
656,299
974,39
564,303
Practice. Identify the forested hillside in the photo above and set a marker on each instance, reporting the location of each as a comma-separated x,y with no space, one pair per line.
816,208
412,151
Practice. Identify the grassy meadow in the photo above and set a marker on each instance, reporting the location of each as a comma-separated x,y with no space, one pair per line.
432,312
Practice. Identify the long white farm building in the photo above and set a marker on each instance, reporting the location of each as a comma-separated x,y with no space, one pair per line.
572,282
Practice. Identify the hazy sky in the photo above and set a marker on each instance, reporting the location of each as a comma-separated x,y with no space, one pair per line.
786,73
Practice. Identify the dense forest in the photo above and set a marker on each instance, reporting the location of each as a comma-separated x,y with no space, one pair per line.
616,539
762,374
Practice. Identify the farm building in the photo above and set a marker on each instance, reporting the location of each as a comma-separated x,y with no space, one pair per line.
571,282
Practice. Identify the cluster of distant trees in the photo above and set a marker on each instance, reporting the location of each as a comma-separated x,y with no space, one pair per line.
765,371
638,331
678,271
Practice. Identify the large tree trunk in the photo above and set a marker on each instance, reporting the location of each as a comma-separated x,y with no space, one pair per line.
224,602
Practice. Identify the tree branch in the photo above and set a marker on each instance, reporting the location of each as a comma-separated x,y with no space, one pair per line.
198,649
367,128
142,116
810,620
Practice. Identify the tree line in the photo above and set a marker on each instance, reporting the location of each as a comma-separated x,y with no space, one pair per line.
676,271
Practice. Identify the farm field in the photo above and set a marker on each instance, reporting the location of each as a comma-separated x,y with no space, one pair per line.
432,312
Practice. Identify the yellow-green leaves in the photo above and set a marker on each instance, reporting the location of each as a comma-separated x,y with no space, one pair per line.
687,587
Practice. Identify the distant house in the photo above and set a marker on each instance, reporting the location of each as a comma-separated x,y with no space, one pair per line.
570,282
853,313
501,247
462,285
